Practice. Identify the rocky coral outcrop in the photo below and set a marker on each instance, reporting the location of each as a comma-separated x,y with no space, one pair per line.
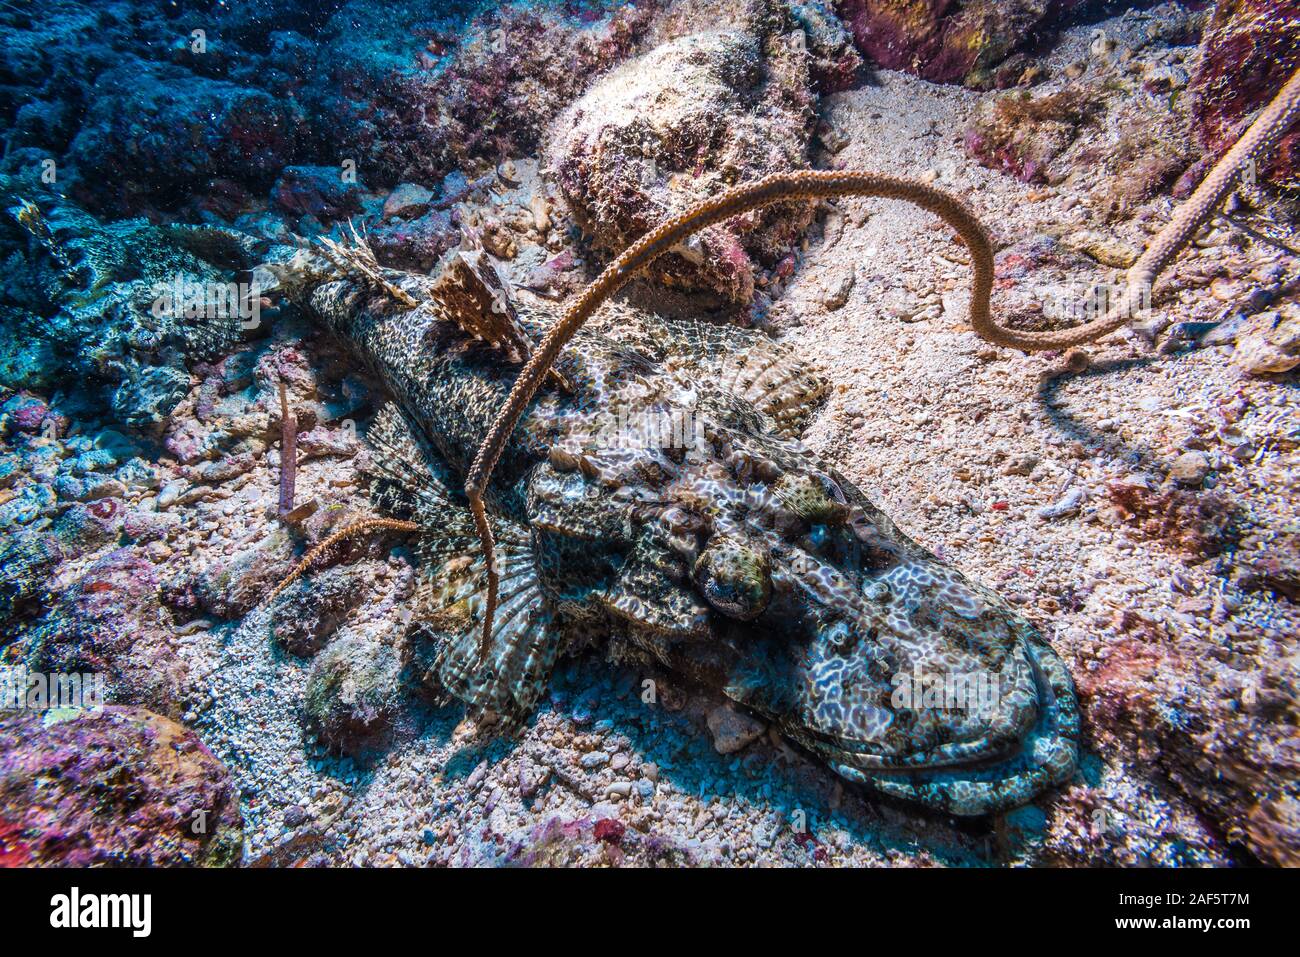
159,111
681,123
1116,117
117,787
1250,48
62,496
1220,734
1269,341
834,62
124,306
971,42
26,558
111,622
433,96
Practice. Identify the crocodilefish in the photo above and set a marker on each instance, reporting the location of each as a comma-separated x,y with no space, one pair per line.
655,502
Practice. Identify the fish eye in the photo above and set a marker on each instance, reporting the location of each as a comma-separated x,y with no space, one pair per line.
734,577
814,498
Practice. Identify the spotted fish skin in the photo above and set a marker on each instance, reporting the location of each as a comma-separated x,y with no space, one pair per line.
664,508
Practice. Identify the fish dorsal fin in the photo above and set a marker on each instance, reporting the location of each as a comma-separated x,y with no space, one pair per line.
451,587
472,293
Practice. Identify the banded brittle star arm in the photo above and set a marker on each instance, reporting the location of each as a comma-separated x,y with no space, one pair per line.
1263,133
365,526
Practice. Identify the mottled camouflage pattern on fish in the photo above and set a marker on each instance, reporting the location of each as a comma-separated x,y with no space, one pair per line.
663,508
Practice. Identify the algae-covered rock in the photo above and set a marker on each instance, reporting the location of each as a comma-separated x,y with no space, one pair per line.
1269,342
116,787
354,693
425,93
233,588
311,610
155,131
681,123
27,558
1024,134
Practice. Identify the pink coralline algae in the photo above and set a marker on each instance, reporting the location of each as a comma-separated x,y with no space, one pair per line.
354,695
947,41
1250,49
26,413
116,787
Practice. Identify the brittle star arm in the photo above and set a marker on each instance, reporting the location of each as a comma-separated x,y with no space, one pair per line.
1262,135
363,527
776,188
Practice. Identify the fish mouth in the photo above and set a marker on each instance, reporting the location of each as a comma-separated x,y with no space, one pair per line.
898,714
999,773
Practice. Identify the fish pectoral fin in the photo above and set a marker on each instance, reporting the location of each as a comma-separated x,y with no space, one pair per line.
645,593
501,689
447,608
408,479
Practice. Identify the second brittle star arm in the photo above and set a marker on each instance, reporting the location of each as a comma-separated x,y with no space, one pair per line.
1261,136
804,185
365,526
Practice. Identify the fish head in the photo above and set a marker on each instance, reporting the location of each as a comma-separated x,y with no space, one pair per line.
737,556
870,651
